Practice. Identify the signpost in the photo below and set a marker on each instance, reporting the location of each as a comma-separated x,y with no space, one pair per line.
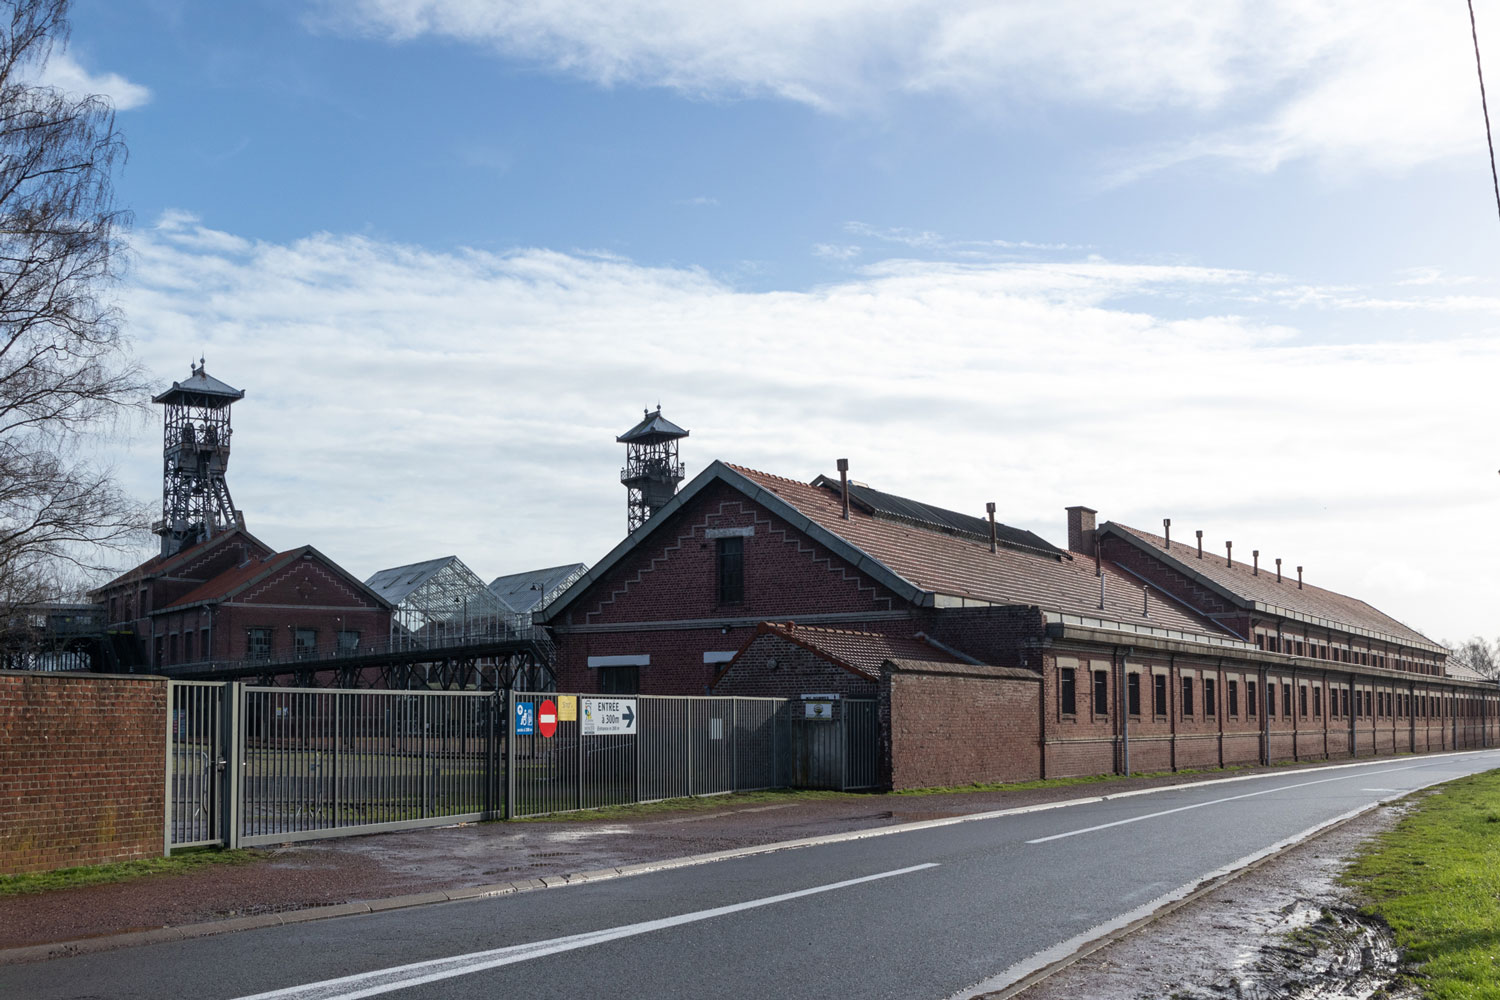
525,718
609,716
546,718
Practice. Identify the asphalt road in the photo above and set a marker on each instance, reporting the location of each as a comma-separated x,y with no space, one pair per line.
935,912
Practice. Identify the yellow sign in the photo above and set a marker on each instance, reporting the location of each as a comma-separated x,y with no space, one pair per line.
567,708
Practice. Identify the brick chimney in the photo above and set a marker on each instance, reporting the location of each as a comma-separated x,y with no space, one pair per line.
1081,529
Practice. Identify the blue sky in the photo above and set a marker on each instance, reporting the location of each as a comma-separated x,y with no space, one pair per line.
1231,263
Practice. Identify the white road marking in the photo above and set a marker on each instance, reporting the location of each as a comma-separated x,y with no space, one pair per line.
1212,802
1064,950
368,984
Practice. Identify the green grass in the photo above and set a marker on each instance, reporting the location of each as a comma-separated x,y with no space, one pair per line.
1435,879
68,878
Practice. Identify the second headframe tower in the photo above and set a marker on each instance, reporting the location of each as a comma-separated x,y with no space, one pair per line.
195,503
652,472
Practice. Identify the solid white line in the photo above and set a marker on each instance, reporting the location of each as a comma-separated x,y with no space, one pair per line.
1064,949
368,984
1212,802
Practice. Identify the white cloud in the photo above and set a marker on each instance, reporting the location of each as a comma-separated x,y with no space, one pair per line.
65,73
403,403
1383,84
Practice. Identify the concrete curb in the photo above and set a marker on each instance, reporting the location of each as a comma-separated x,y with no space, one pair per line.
131,939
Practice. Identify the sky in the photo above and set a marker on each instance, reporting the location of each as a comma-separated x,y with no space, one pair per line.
1230,263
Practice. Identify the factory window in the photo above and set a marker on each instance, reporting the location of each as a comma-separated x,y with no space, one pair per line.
1133,693
306,643
620,680
187,647
257,644
1270,701
1286,700
1101,692
1159,695
1210,700
1317,702
1067,696
1250,699
1187,697
1302,700
731,570
1234,699
348,641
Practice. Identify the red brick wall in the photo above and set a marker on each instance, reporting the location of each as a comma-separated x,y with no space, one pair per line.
82,762
798,671
958,725
662,600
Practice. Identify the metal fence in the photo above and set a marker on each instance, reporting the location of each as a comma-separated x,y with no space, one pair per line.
249,766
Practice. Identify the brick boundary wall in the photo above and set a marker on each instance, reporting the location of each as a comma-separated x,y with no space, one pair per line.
955,724
82,769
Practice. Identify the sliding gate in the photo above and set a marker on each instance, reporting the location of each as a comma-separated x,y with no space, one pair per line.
249,766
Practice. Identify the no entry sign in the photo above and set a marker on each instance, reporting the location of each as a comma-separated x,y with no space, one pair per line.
546,718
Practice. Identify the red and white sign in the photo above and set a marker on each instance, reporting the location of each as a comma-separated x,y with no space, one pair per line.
546,717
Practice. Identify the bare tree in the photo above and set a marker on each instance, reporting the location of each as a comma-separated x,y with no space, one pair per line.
65,373
1477,655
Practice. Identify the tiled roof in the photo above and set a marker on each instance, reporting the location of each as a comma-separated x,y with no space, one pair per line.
859,652
1308,601
927,516
960,566
231,580
159,565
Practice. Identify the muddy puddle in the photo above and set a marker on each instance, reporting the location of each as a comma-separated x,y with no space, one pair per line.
1283,931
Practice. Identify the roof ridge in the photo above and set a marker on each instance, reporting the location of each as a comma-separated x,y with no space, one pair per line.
768,475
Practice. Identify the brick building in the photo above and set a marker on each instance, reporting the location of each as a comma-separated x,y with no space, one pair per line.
230,598
1123,650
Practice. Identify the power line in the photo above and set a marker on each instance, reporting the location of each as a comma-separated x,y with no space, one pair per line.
1485,105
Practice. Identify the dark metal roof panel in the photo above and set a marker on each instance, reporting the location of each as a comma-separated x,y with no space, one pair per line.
201,384
652,429
888,504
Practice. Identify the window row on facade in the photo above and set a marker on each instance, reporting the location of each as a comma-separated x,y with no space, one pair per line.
1200,697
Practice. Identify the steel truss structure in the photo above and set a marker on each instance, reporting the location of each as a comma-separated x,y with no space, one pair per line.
195,454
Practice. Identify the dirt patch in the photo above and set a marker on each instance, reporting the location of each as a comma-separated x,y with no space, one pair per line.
1283,931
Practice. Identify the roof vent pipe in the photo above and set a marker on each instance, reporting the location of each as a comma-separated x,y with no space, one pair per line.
844,484
1255,554
1200,543
1229,554
989,509
1098,563
1166,527
1145,601
1278,569
1101,591
1299,577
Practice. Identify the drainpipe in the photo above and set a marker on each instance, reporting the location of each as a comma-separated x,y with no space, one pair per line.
1265,718
1121,655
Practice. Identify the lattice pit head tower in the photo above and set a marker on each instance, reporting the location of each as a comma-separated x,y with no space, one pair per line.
652,472
195,503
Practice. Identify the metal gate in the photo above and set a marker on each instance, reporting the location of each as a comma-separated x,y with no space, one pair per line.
249,766
836,748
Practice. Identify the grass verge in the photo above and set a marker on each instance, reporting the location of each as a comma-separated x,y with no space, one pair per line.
1435,879
68,878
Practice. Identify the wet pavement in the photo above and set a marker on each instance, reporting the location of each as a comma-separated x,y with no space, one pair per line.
1284,930
324,873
